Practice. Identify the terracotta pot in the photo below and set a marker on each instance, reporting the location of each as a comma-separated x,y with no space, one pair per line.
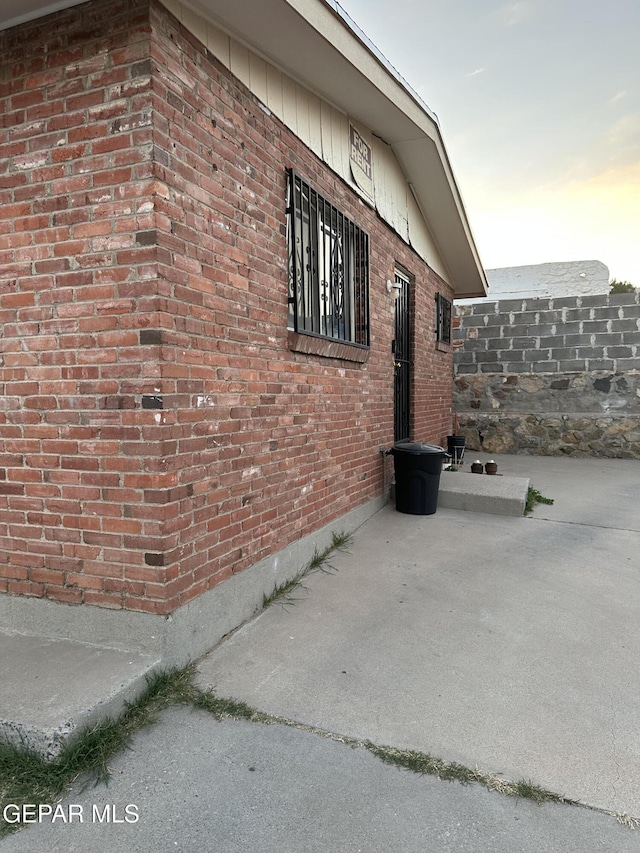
491,468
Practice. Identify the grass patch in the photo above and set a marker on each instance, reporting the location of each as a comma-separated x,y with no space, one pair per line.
534,497
320,562
26,777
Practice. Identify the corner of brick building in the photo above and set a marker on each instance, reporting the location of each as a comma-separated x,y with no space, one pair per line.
158,433
79,302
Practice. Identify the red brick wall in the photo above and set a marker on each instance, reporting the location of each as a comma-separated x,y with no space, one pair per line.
143,265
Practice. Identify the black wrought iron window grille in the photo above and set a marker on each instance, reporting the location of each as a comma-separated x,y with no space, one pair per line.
328,268
443,319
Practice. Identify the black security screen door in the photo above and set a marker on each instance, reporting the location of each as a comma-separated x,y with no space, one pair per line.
402,363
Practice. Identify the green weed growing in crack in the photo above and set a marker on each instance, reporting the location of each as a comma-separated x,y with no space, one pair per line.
527,790
320,562
224,709
425,764
534,497
420,762
282,592
412,760
27,777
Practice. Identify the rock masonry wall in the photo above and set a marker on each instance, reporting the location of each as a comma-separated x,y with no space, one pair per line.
552,376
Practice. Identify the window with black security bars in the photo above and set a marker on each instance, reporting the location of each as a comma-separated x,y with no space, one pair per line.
443,319
328,268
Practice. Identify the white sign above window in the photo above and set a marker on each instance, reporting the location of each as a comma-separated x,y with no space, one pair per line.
361,160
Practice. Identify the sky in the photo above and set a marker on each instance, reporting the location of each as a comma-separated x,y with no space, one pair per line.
539,106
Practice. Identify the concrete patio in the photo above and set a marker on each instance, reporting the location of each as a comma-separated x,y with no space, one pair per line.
510,643
502,642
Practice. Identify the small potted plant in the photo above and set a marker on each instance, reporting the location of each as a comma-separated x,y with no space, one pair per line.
455,443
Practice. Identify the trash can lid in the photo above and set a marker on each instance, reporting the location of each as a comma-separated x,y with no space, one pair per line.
418,447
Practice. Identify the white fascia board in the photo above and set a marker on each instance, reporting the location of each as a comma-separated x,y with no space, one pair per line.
316,43
340,32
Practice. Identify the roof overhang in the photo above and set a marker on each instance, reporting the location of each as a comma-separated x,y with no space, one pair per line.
316,43
14,12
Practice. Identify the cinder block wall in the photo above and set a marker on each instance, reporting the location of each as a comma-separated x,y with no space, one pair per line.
550,376
157,432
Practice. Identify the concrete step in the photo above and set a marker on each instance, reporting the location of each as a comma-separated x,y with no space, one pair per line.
51,689
493,494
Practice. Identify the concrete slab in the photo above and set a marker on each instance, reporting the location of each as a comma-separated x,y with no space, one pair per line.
503,642
492,494
53,688
597,492
196,784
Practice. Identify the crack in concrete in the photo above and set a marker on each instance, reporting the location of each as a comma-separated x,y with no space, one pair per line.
416,761
588,524
614,748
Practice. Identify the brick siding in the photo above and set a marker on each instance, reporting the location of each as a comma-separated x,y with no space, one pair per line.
157,431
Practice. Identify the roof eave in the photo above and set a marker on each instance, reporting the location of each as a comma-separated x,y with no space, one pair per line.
317,43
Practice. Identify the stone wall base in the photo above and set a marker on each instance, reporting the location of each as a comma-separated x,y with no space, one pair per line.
540,434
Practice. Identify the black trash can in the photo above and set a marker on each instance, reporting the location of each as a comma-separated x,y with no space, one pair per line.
417,468
455,448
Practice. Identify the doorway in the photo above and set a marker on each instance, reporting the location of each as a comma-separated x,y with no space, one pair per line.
402,359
